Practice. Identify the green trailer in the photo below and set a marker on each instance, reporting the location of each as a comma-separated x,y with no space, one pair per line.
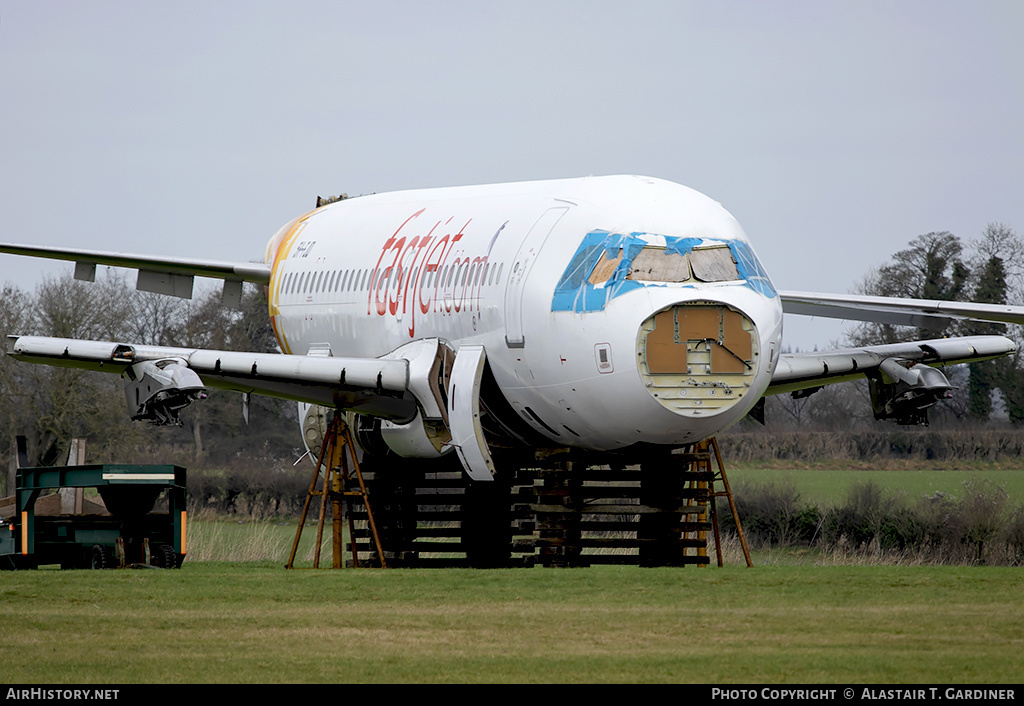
138,518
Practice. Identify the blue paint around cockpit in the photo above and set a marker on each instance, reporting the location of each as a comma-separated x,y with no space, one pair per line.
575,293
751,270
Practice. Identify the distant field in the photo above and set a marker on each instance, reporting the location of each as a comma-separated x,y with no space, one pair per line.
214,622
244,539
830,487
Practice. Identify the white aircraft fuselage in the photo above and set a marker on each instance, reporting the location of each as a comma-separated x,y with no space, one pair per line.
619,314
613,310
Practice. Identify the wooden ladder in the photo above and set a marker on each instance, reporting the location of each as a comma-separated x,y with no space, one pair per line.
702,464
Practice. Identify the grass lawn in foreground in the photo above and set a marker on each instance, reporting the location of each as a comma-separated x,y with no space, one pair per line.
253,623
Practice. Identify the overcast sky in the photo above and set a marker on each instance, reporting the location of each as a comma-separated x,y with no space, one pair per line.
835,132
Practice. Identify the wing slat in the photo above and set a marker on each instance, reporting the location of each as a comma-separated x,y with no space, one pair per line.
377,386
799,371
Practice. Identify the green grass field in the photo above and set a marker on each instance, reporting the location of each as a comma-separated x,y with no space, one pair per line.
233,614
250,623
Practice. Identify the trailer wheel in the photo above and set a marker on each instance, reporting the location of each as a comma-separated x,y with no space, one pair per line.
164,556
102,557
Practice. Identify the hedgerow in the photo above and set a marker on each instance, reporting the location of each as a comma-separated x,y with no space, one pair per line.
978,525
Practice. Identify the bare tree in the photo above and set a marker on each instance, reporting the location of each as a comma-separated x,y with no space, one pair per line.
68,308
155,319
998,240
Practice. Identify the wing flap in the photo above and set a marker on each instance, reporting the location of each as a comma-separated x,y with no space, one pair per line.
922,313
164,275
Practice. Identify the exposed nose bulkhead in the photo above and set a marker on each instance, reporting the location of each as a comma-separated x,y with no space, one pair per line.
698,358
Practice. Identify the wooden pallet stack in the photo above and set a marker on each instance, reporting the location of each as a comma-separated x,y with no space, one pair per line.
432,515
651,515
562,512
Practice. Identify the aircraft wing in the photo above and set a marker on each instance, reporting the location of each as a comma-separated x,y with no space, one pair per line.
922,313
164,275
810,371
163,379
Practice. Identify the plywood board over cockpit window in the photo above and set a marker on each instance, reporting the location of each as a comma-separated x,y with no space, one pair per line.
605,267
658,264
714,264
654,264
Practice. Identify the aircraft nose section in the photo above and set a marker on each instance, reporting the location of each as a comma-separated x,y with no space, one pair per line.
698,358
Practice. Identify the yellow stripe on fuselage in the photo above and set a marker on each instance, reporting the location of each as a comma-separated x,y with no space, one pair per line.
281,253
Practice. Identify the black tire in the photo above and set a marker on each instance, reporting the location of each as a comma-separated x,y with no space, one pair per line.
102,557
164,556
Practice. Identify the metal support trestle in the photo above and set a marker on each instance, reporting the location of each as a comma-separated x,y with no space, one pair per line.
341,467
